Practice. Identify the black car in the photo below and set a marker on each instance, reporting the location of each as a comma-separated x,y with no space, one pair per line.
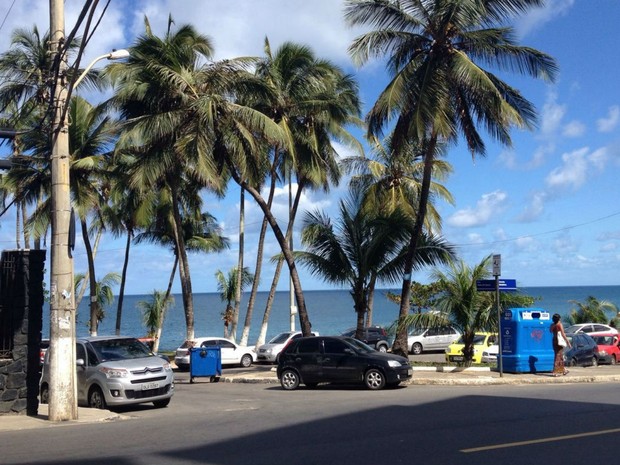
374,336
338,359
583,350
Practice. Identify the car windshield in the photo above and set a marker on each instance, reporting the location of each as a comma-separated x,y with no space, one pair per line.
359,346
573,329
604,340
478,339
120,349
349,332
280,338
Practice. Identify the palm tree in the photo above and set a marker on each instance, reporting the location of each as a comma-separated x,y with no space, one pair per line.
229,288
180,115
153,311
312,101
362,246
592,311
104,292
439,88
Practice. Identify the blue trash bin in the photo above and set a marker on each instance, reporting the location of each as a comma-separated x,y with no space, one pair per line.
205,361
527,343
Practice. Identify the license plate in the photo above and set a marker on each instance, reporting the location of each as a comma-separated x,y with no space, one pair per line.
457,358
410,372
148,386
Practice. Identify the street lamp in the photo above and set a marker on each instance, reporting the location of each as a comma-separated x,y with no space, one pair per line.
63,387
113,55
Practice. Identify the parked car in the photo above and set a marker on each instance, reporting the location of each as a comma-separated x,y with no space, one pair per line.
374,336
339,359
270,351
489,355
426,339
583,350
231,352
607,347
482,340
591,329
114,371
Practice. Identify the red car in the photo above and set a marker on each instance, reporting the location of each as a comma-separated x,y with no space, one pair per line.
608,349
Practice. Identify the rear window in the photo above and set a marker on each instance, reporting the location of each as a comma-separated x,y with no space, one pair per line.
308,346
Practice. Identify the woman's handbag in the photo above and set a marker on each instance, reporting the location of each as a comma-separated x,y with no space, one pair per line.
561,340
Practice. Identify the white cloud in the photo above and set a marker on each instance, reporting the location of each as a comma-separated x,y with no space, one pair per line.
572,173
551,116
574,129
489,205
538,17
610,122
534,208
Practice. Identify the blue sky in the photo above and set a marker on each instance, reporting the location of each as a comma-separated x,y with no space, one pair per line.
549,205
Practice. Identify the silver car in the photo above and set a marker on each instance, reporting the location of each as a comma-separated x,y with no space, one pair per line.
269,352
114,371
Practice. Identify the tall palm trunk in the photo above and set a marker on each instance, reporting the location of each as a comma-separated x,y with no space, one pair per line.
257,272
400,343
186,283
92,281
371,298
304,321
80,296
121,292
163,310
235,320
262,335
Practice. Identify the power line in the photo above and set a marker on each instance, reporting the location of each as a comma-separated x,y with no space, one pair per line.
7,14
527,236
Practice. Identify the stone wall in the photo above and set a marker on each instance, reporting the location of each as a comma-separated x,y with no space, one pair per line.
21,318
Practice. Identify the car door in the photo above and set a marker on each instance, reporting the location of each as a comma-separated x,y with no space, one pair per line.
339,362
227,350
432,339
307,358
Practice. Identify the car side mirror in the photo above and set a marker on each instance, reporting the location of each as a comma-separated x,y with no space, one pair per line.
80,362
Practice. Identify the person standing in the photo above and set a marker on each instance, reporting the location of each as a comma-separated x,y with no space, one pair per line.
560,341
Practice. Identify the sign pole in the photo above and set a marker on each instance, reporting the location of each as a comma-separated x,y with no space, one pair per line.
497,271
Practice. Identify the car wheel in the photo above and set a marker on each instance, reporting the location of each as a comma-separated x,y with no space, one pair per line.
573,362
594,361
161,403
374,379
613,360
246,360
96,399
382,348
45,394
416,348
289,380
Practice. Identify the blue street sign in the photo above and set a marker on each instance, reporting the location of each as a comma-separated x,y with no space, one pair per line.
483,285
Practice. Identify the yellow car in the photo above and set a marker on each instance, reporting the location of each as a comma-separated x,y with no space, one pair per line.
454,352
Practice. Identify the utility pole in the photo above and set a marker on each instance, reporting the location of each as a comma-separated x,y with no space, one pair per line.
63,388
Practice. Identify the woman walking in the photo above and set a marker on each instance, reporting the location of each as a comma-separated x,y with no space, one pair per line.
560,341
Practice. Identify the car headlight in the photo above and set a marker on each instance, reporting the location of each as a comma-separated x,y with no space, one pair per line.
602,352
394,363
167,367
114,372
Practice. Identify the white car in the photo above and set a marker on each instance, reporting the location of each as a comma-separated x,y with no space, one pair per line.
231,353
593,329
425,339
269,352
489,355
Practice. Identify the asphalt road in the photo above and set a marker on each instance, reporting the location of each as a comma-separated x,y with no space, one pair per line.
255,424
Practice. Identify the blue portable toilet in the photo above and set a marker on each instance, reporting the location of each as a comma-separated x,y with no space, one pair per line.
527,343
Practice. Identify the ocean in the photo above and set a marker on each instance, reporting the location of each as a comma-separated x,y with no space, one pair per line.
330,312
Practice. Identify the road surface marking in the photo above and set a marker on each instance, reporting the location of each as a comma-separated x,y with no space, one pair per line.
540,441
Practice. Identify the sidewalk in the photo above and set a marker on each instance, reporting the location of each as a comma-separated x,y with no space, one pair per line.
458,376
267,374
